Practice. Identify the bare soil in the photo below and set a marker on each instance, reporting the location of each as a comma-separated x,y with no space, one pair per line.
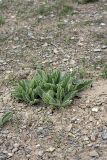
29,41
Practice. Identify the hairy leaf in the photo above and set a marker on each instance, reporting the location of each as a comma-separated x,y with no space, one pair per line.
6,117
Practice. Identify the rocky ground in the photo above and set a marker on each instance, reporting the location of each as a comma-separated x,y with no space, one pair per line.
29,40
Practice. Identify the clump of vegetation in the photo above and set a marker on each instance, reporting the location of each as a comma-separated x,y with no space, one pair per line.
2,21
66,10
60,7
54,88
82,72
86,1
45,9
27,90
6,118
104,71
64,90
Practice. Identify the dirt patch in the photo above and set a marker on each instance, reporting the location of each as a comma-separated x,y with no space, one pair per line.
78,132
29,41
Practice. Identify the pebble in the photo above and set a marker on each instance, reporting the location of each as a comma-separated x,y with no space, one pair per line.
16,145
45,44
14,150
95,109
3,156
90,119
65,59
38,146
52,15
68,128
28,155
97,50
10,154
86,138
104,47
55,51
40,17
1,61
16,38
94,154
40,153
102,24
93,137
30,34
72,62
104,135
51,149
80,44
65,20
71,69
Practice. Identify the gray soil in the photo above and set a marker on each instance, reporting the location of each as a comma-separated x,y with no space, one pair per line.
29,41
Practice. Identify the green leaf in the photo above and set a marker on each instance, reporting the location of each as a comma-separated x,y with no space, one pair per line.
49,86
7,116
55,76
70,95
47,98
82,84
60,93
68,79
43,75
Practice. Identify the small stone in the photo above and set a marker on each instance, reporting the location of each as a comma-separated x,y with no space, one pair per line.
65,20
16,145
104,135
71,69
72,62
40,130
91,119
65,59
16,38
55,51
51,149
1,61
94,154
90,145
68,128
52,15
104,47
93,137
86,138
72,38
38,146
71,135
3,156
87,101
80,44
95,109
30,34
1,140
40,17
102,24
14,150
45,44
10,154
40,153
97,50
28,155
